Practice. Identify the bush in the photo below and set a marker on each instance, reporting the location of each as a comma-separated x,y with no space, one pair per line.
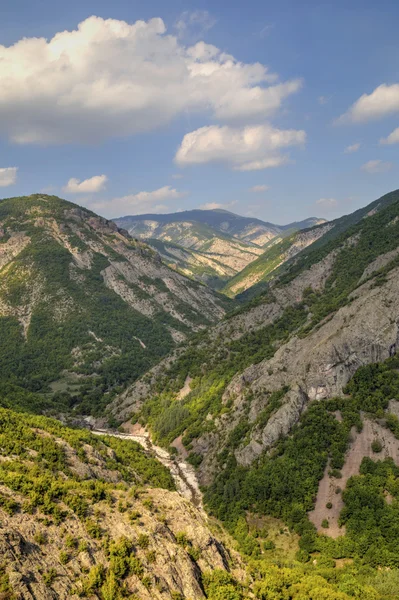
376,446
143,541
40,538
63,557
325,524
49,577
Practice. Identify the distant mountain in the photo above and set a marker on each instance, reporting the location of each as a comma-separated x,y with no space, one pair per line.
83,306
209,245
247,229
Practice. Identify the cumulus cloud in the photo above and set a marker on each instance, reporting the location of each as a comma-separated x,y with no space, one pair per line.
393,138
327,203
87,186
376,166
142,202
244,149
8,176
112,78
352,148
259,188
383,101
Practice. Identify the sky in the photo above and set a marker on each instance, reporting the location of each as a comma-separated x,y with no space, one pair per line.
279,110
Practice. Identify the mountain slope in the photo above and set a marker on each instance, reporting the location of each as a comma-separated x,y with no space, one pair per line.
253,279
264,267
268,402
219,259
83,304
84,517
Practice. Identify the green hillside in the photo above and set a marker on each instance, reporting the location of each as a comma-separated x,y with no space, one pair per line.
83,305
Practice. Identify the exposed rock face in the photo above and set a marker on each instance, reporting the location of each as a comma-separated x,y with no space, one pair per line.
321,364
172,572
167,541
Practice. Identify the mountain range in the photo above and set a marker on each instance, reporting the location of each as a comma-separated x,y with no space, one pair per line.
209,245
268,422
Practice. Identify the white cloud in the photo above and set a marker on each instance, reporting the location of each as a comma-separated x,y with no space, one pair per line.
259,188
142,202
264,32
323,100
195,24
393,137
211,206
88,186
217,205
111,78
244,149
8,176
383,101
352,148
177,176
327,203
376,166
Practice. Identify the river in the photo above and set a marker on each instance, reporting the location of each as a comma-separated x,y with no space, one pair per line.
183,473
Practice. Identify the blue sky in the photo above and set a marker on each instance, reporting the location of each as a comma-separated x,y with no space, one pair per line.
279,110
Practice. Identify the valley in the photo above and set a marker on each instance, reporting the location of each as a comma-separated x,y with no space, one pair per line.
236,444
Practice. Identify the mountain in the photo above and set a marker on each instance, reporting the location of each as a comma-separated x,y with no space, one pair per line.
289,407
246,229
218,259
281,416
209,245
253,278
83,307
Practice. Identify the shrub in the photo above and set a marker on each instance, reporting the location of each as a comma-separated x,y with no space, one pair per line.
325,524
49,577
40,538
143,541
63,557
376,446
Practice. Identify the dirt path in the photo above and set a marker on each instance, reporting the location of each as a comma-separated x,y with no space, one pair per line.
183,473
359,448
186,389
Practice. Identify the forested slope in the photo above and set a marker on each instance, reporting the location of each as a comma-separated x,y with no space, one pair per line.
84,308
